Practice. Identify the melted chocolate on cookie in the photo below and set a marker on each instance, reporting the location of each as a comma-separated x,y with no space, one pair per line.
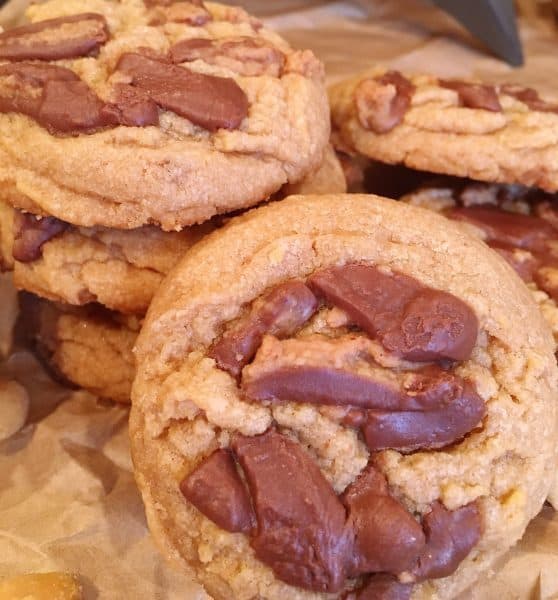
271,488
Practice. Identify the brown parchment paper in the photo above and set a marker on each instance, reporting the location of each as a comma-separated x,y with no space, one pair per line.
67,495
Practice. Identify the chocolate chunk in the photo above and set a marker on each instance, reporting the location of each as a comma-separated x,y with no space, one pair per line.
507,232
21,85
384,587
281,312
409,319
408,431
31,233
132,107
387,537
450,536
301,532
508,228
55,39
70,106
244,55
192,12
208,101
529,97
216,489
382,102
474,95
340,371
53,96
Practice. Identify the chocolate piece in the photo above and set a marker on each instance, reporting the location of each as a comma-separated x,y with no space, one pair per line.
409,319
215,488
21,85
384,587
31,233
474,95
244,55
528,96
133,108
508,228
508,231
383,101
340,371
387,537
53,96
191,12
71,107
408,431
208,101
301,530
281,312
55,39
450,536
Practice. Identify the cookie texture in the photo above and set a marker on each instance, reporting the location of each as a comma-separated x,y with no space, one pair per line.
519,223
176,111
329,178
80,265
494,133
218,380
87,347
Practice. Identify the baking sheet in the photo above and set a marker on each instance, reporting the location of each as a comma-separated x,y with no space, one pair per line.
67,495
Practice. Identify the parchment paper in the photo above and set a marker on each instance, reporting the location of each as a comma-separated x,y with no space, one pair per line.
67,494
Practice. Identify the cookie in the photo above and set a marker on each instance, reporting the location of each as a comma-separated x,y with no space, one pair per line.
339,395
79,265
173,112
495,133
519,223
86,347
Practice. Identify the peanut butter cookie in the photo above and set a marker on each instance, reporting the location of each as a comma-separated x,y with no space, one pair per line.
495,133
122,114
337,397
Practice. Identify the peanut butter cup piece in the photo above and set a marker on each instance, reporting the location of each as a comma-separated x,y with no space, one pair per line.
55,39
281,312
338,371
382,102
409,319
474,95
208,101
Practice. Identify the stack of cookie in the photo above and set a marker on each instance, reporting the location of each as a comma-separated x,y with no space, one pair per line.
497,142
125,129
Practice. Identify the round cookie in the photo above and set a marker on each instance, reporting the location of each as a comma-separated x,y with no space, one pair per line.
79,265
173,112
88,347
497,133
295,374
519,223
